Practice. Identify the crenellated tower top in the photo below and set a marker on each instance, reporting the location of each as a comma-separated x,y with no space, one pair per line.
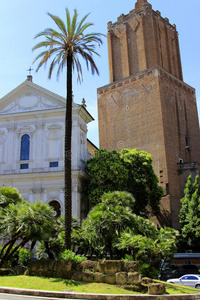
139,3
141,40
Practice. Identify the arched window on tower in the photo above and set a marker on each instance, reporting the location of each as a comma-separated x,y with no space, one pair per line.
25,150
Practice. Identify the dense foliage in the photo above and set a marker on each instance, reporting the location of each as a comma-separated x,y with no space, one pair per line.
70,255
22,223
189,215
129,170
113,230
105,222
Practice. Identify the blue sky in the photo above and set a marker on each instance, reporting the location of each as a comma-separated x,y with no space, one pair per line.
21,20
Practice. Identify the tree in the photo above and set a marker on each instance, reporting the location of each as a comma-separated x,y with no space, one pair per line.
149,244
189,215
105,222
129,170
9,195
64,48
25,222
56,241
111,228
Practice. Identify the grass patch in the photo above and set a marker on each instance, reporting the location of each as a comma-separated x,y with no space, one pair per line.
58,284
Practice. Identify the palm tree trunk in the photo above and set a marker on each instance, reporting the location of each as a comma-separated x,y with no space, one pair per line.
5,256
20,245
68,155
14,238
50,254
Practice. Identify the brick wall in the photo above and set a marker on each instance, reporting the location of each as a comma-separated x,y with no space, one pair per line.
153,111
141,40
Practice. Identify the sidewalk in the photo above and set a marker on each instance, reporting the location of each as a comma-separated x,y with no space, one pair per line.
73,295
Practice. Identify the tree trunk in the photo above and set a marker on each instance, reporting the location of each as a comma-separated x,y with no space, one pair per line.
32,245
14,238
5,256
20,245
50,254
68,155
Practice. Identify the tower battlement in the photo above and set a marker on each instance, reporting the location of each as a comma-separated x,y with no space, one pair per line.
140,40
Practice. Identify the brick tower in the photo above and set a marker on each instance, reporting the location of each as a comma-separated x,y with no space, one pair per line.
147,105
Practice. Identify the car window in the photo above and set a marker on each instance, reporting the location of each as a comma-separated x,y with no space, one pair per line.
184,278
192,278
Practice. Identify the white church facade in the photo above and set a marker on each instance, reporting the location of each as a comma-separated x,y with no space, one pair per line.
32,124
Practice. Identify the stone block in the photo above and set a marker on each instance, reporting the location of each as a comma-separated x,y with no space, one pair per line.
133,277
41,266
88,277
99,277
146,280
77,276
5,272
156,289
131,266
110,266
86,265
62,266
19,270
110,278
121,278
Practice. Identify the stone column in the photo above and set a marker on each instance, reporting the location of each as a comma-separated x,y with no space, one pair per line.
9,149
39,147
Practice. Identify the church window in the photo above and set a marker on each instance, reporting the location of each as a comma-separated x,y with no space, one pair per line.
23,166
25,147
24,151
53,164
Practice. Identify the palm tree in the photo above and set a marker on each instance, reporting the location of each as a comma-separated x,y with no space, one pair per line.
25,222
64,47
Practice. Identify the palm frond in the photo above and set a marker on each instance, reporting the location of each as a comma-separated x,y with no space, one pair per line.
68,18
79,27
59,23
74,23
71,39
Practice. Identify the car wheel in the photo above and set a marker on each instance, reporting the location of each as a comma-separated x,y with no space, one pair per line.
197,286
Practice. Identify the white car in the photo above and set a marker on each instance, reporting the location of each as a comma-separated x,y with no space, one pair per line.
191,280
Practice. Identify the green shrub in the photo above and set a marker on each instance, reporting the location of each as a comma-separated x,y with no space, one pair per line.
20,257
24,257
70,255
128,257
148,271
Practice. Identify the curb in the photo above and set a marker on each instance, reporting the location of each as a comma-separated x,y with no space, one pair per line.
73,295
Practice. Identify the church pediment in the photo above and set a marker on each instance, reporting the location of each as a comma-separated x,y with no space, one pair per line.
26,98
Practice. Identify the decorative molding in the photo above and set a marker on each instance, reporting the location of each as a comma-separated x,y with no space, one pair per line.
54,127
30,101
38,190
26,129
155,71
83,127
